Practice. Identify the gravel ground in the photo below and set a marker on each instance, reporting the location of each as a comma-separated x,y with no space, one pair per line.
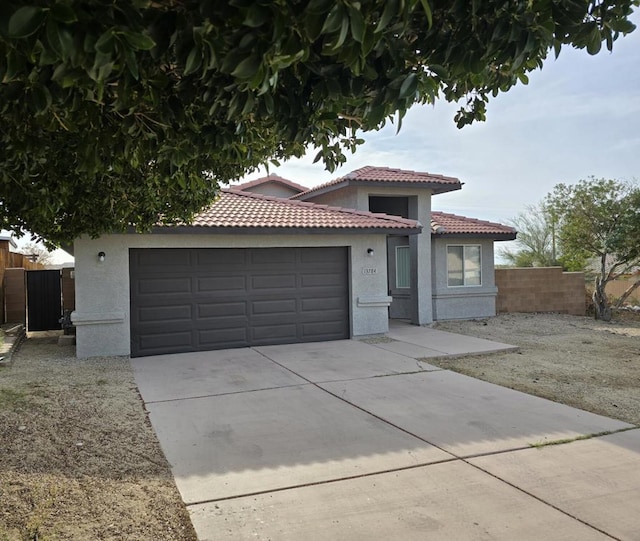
588,364
79,459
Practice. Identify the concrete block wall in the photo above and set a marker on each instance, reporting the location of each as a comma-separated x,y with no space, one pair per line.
540,289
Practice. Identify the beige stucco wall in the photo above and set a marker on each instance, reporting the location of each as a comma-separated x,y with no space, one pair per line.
272,189
102,288
465,302
345,198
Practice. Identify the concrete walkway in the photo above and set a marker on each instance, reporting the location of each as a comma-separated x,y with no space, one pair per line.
356,440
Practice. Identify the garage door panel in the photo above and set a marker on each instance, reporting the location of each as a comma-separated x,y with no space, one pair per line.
222,338
325,328
166,340
320,315
316,279
221,259
165,286
272,257
237,297
285,306
276,282
322,303
322,256
176,313
281,333
221,283
164,258
221,309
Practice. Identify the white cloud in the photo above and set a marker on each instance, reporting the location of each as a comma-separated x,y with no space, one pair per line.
578,116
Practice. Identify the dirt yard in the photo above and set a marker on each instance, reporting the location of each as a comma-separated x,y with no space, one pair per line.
578,361
78,457
79,460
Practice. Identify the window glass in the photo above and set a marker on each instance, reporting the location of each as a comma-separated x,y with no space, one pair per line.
455,276
472,265
464,266
403,267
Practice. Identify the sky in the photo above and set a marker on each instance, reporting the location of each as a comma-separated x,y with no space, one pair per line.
579,116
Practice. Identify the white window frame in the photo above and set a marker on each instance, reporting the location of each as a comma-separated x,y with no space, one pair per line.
464,278
403,247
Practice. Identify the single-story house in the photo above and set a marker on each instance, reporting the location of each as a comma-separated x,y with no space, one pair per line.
273,262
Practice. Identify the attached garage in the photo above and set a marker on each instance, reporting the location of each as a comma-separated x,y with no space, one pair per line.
207,298
249,270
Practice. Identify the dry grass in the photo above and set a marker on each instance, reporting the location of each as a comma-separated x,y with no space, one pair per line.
79,457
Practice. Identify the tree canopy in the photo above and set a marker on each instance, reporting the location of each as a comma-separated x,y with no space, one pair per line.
37,253
535,241
600,219
117,113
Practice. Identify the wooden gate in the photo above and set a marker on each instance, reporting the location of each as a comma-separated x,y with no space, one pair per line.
44,300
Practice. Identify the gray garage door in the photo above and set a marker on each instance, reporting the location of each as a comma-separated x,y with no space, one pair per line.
203,299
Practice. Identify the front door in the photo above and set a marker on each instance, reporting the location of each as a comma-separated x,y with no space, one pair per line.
399,273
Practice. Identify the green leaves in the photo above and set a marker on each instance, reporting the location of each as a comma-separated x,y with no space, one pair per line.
409,86
138,40
26,21
598,219
594,43
63,13
247,68
427,12
131,112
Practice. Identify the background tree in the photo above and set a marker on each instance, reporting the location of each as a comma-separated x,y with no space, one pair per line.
535,243
600,218
37,253
131,112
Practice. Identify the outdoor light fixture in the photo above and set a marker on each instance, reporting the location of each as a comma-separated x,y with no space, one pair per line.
101,256
370,251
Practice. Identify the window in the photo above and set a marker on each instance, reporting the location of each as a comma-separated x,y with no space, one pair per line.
464,266
403,267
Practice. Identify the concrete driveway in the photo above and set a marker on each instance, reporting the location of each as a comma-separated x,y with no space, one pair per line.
353,440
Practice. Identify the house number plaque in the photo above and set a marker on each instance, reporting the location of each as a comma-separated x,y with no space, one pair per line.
369,270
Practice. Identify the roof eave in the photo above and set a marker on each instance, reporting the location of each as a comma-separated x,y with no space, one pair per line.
325,189
492,236
247,230
435,187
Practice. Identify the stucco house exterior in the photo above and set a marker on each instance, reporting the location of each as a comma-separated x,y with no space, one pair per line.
273,262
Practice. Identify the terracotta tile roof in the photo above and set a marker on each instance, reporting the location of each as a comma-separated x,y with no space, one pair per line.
439,183
236,209
270,178
452,224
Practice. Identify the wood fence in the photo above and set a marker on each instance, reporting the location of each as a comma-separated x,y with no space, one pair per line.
616,288
12,260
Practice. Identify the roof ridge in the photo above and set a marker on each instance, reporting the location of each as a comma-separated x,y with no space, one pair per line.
361,174
409,171
271,177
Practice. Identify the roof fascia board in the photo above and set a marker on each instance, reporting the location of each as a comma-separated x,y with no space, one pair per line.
493,236
435,187
204,230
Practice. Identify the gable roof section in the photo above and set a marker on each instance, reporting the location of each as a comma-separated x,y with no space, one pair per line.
276,179
385,176
237,211
443,224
